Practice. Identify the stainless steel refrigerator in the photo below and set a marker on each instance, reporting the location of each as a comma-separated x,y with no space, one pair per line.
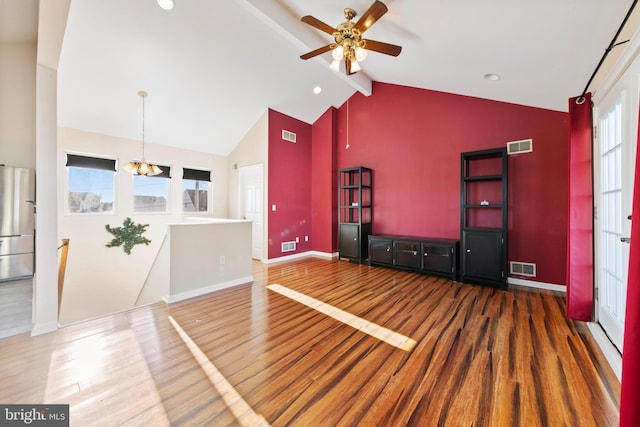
17,195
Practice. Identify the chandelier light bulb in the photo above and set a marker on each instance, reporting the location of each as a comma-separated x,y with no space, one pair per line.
355,67
361,54
335,65
144,168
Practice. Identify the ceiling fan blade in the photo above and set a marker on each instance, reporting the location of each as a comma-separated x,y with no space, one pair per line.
316,52
381,47
318,24
375,12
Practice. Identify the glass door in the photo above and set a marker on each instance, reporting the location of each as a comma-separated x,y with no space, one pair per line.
613,197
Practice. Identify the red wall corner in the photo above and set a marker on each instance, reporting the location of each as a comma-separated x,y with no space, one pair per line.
289,185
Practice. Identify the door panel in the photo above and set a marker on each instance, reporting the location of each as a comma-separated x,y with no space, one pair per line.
252,202
613,186
483,254
349,243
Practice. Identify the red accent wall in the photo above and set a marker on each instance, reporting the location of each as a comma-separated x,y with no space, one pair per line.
412,139
324,193
289,184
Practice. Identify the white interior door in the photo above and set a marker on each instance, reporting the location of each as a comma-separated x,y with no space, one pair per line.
613,188
251,204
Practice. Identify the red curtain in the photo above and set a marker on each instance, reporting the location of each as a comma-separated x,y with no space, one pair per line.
630,393
580,227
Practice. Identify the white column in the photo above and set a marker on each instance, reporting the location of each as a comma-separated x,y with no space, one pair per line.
45,291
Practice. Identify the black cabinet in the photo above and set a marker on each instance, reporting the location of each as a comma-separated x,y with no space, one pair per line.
483,216
406,254
354,212
440,257
380,250
429,255
483,254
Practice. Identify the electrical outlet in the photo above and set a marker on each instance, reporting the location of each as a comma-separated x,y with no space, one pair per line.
223,260
297,240
306,238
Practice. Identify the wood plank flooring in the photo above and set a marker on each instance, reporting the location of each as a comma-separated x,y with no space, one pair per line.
15,307
251,356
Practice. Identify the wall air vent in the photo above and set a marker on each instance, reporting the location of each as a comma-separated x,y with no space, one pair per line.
288,246
522,268
519,147
288,136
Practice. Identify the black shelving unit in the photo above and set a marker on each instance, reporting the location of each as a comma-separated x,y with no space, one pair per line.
483,217
354,212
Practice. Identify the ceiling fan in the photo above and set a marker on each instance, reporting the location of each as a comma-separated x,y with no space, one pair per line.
349,44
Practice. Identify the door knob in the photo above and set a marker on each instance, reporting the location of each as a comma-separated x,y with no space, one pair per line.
629,217
625,239
468,250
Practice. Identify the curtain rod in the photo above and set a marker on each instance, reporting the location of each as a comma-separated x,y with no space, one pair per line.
613,44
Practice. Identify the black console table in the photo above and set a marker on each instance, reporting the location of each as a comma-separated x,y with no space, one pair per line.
423,254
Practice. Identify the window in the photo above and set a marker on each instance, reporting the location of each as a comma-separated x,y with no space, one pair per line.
195,190
150,193
90,184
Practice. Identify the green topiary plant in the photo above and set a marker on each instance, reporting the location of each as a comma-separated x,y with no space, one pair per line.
128,235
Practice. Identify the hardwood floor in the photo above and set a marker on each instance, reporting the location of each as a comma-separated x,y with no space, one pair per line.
252,356
15,307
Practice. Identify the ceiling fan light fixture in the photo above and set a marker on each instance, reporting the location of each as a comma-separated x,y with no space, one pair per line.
348,43
166,4
361,54
338,53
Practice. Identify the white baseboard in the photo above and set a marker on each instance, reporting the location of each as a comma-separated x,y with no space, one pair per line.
610,352
327,255
207,289
15,331
43,328
534,284
301,255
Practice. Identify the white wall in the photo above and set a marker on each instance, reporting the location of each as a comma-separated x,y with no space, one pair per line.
18,105
208,256
251,150
101,280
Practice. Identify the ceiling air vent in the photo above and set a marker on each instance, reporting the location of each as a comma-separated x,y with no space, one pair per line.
288,136
518,147
522,268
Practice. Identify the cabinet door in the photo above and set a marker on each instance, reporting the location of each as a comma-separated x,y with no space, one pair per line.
406,254
482,254
349,241
380,251
437,258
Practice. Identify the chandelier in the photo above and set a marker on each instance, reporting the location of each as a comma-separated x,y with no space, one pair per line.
142,167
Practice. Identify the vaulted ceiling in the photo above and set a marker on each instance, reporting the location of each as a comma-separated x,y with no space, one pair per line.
212,68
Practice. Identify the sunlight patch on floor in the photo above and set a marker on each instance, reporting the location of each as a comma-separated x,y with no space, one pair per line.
380,332
237,405
83,374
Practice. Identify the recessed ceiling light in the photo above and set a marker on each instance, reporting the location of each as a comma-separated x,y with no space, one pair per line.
492,77
166,4
317,90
